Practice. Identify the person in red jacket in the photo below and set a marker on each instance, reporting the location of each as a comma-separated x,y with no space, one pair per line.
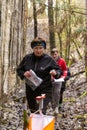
59,88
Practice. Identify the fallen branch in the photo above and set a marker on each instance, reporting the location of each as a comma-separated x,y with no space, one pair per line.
77,73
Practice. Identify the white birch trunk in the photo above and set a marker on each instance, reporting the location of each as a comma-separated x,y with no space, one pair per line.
3,10
6,17
13,25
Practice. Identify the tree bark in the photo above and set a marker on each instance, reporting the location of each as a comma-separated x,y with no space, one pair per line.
35,18
13,41
51,24
85,51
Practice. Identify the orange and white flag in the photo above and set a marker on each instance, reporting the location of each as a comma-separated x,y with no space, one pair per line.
41,122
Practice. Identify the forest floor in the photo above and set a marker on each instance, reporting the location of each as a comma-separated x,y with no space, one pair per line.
73,116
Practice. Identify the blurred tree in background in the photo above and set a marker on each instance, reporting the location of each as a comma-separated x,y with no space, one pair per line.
63,26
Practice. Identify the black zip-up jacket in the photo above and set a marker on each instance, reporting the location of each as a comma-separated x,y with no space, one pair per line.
41,66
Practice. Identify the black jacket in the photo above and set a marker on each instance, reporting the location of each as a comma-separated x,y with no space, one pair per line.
41,66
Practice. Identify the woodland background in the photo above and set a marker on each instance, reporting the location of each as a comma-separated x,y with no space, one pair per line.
63,23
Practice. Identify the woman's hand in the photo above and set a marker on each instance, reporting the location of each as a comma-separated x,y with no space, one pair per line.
27,74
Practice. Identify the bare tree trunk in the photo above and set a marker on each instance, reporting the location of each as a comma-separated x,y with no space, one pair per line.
0,17
86,40
51,24
0,55
5,37
24,24
60,42
13,41
4,58
35,18
68,29
58,33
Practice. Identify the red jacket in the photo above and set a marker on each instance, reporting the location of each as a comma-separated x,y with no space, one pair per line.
61,62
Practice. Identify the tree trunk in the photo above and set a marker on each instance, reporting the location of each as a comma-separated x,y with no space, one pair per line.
35,18
13,41
85,39
5,38
68,30
51,24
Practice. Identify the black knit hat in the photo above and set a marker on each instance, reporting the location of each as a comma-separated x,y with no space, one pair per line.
38,41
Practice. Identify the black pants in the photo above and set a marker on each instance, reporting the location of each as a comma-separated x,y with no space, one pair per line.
62,91
31,95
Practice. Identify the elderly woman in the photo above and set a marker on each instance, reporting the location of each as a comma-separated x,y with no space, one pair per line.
44,67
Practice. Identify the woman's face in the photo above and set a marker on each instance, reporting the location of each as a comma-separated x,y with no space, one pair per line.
38,50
